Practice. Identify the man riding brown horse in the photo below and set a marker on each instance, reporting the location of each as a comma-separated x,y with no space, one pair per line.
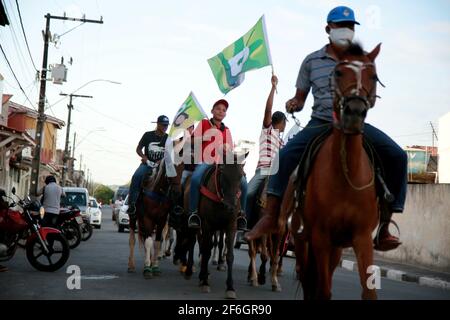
315,74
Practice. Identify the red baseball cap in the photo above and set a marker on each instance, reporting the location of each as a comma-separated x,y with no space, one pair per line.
221,101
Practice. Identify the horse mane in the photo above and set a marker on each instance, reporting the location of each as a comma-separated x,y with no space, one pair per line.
355,49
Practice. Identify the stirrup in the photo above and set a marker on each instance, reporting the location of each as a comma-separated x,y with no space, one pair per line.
377,237
241,223
192,224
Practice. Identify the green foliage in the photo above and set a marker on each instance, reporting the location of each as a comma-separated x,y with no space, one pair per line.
104,194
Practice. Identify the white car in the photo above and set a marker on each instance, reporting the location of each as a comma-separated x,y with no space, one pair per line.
123,220
94,213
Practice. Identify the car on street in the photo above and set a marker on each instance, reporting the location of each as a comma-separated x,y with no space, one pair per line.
95,213
122,218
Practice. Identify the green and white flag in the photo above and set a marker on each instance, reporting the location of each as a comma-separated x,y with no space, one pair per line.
188,114
249,52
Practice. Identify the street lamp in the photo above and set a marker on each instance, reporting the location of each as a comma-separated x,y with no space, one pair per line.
100,129
84,85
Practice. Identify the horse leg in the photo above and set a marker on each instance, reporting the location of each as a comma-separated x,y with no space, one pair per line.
157,246
148,245
221,264
205,251
169,249
263,255
252,275
131,241
274,255
363,247
322,252
215,257
230,293
190,259
335,258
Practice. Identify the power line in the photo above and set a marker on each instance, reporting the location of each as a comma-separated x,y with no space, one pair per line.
25,36
18,82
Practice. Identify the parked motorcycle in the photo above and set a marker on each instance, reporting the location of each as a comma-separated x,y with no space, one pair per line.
46,248
69,221
86,229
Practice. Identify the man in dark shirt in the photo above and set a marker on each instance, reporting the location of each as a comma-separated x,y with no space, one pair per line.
153,143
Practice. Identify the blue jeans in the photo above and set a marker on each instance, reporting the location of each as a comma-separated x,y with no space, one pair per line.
252,191
393,157
194,195
136,182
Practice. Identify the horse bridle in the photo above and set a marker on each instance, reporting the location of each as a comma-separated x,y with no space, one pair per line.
342,98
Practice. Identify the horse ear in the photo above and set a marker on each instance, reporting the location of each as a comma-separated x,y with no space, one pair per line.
374,53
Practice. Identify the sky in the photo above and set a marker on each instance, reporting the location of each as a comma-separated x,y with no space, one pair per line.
158,51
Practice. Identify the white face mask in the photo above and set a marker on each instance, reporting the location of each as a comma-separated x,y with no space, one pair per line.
342,37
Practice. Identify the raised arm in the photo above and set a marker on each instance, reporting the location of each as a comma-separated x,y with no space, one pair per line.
268,112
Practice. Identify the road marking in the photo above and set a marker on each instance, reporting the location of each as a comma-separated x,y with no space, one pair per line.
99,277
395,275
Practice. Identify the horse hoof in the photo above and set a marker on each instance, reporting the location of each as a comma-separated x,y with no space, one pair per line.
254,283
221,267
206,289
261,280
131,270
276,288
214,262
156,271
230,294
183,269
168,253
148,273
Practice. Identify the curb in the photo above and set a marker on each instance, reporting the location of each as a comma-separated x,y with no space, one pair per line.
398,275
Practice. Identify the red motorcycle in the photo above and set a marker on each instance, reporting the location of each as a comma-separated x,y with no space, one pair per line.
46,248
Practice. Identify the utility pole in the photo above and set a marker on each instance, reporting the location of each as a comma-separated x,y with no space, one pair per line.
66,147
73,147
41,109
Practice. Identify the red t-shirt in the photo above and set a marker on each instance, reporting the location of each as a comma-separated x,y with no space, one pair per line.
212,139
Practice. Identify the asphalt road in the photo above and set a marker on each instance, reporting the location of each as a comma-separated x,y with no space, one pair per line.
103,265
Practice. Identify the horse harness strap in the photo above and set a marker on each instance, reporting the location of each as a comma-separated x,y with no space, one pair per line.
158,197
216,197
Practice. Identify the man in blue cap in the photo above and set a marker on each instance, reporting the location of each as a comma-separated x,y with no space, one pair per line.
314,74
153,143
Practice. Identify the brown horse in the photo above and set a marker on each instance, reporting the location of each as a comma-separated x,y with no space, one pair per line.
152,208
340,207
268,246
219,214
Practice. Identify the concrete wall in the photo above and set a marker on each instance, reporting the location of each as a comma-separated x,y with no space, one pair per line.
424,227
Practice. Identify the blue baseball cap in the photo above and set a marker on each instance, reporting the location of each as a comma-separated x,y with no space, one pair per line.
341,14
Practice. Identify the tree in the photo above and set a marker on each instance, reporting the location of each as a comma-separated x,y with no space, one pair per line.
104,194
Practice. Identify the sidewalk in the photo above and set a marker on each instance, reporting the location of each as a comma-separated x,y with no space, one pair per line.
401,271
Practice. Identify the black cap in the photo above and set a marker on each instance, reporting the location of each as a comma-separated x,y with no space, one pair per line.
162,119
278,116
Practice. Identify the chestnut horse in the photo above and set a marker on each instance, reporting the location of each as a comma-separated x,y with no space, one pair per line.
340,207
268,246
152,209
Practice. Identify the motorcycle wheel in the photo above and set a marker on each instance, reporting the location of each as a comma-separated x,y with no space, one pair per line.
57,257
72,232
86,231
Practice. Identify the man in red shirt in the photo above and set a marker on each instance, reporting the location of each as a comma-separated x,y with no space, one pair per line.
215,139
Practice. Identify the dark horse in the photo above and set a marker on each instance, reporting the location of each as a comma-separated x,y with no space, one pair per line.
152,208
218,210
340,208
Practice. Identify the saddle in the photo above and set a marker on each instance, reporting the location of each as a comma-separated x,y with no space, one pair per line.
217,197
301,173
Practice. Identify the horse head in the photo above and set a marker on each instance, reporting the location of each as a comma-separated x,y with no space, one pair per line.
231,173
354,80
